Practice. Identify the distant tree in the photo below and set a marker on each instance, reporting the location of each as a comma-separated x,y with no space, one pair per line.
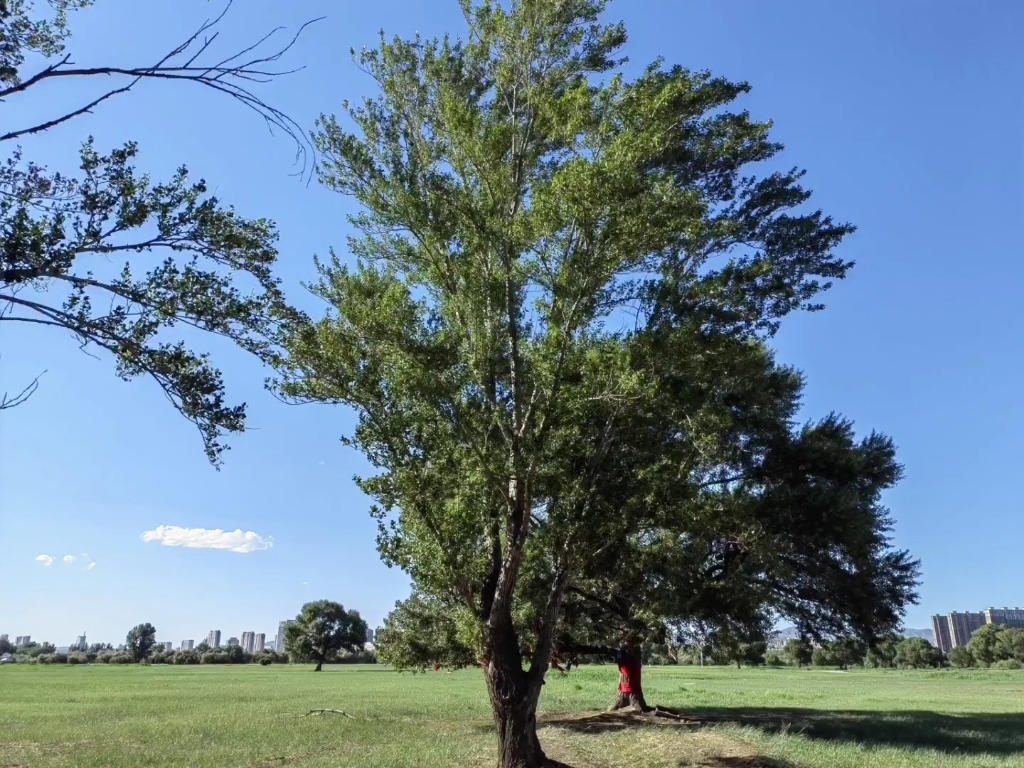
984,645
883,653
961,657
842,652
188,259
797,652
186,657
140,641
321,630
203,647
917,653
774,658
1010,644
6,646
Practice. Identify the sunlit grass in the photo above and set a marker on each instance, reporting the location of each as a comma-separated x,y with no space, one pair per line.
91,716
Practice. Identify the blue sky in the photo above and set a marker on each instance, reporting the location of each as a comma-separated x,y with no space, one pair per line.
908,116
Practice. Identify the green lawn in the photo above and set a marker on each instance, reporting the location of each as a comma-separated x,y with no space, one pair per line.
99,715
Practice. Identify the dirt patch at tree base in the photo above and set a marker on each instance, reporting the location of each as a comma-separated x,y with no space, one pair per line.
602,739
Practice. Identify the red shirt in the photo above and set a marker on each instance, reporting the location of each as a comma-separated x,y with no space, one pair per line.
629,675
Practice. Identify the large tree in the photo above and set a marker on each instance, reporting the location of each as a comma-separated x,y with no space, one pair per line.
562,280
322,630
121,261
140,641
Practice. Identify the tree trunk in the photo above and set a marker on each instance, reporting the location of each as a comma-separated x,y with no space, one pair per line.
513,703
631,692
319,666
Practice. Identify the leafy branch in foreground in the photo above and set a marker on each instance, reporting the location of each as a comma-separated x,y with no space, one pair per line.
188,260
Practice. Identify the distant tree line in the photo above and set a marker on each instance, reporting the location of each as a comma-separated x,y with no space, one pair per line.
323,633
892,651
993,646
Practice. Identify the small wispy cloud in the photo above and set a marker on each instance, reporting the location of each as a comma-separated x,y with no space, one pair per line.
46,560
69,559
90,566
305,583
237,540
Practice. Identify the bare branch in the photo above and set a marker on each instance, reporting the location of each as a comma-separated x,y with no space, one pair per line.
229,75
12,402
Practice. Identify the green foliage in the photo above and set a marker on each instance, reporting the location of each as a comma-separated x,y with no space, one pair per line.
1008,664
843,652
554,332
798,652
989,645
883,654
423,632
960,657
917,653
140,641
321,630
187,260
774,658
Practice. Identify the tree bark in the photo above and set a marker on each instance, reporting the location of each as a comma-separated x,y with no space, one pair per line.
514,697
631,693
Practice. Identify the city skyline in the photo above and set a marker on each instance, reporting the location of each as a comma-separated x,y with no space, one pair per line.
955,629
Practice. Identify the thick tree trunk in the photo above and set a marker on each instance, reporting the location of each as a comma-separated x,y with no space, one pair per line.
319,666
631,693
513,703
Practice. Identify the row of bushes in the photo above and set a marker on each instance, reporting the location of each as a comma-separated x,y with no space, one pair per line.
227,655
993,647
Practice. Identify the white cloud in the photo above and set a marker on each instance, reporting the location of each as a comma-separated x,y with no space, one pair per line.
90,566
69,559
46,560
206,538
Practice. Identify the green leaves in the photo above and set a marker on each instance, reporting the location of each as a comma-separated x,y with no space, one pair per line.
61,234
321,630
554,334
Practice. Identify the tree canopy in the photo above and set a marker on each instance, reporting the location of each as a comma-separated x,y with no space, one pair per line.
555,335
140,641
121,261
323,629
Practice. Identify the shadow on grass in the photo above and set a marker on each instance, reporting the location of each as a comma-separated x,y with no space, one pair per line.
988,733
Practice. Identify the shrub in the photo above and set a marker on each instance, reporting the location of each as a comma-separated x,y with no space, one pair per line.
121,658
1007,664
105,657
774,659
266,661
77,658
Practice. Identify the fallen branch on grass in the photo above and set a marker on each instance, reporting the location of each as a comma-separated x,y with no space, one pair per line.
326,712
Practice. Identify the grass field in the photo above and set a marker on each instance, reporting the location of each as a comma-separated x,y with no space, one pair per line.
201,717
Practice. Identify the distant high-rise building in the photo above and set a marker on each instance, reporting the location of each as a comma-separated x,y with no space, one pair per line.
963,625
232,641
279,646
1007,617
22,639
213,639
81,644
270,645
3,637
248,641
940,628
369,635
167,644
187,645
259,642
